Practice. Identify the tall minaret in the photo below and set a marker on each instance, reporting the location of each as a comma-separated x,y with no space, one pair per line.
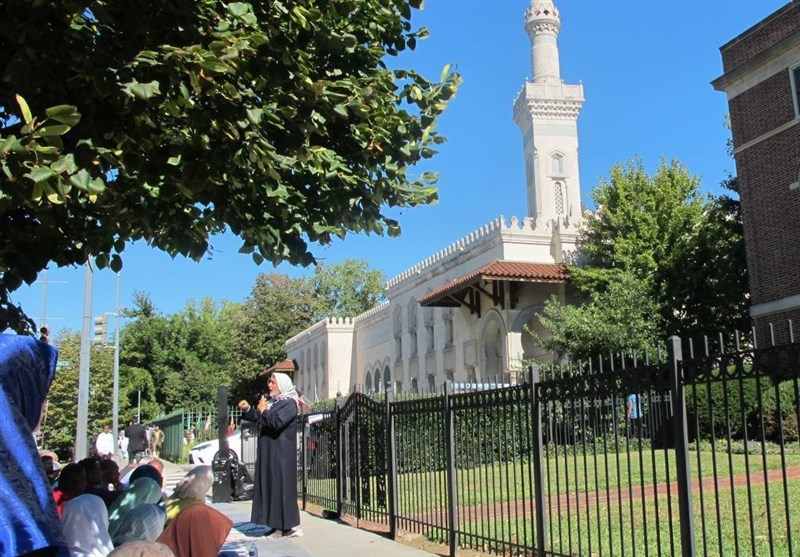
546,111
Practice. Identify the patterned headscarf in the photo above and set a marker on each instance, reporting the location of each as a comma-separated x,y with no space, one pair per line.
28,517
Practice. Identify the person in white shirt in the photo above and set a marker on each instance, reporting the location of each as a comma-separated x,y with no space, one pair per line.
105,443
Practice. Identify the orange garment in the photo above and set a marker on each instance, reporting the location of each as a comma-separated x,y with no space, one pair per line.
198,531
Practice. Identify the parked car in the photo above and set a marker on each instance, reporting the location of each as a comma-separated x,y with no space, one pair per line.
203,453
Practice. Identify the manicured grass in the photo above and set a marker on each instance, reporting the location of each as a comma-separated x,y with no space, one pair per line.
604,504
645,527
572,473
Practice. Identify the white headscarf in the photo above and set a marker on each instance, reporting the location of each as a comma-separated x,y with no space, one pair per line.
285,386
85,522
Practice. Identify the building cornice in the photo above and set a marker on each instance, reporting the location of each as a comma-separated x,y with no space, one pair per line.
765,64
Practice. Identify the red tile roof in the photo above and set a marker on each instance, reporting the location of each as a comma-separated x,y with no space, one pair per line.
501,270
286,366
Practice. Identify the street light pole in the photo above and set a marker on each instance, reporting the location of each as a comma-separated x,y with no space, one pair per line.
116,366
82,434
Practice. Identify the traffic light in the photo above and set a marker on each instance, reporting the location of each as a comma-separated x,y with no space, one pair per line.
100,330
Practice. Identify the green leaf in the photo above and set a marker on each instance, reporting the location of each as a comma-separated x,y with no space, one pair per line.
81,179
11,145
65,164
214,66
64,113
26,111
97,186
56,129
142,91
445,72
116,263
238,9
40,174
174,160
254,115
101,260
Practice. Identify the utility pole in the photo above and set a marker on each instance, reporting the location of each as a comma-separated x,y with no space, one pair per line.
82,434
116,366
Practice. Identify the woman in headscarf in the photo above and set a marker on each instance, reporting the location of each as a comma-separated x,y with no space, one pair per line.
198,531
85,520
191,490
275,483
71,483
147,471
28,518
144,523
143,491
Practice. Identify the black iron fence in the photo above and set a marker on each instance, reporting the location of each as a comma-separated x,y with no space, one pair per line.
693,451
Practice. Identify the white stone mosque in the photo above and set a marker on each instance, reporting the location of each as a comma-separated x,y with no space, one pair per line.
461,314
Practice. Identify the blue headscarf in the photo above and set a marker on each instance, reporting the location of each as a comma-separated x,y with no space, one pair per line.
28,517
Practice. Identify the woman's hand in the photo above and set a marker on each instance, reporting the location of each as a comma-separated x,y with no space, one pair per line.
243,405
262,404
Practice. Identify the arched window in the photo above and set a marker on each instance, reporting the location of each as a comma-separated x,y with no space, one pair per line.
398,333
412,327
447,316
558,165
387,376
368,382
429,335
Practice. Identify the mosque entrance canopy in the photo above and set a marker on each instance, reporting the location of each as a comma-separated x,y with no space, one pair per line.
492,280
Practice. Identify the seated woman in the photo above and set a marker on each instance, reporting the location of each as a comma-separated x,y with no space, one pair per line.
143,491
85,522
198,531
143,523
71,483
191,490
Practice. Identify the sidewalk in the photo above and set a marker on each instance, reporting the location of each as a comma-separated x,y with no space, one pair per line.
322,537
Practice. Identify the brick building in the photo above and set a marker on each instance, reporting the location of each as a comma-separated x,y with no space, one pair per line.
762,82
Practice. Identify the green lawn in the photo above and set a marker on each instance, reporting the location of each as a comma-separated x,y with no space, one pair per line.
597,507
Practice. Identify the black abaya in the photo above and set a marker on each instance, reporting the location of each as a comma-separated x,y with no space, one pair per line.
275,488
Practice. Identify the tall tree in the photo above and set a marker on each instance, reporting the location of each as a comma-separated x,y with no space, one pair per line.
619,316
655,253
347,289
278,308
174,121
60,421
177,361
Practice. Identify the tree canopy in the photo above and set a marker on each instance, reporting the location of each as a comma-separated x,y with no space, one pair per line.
347,289
170,122
657,258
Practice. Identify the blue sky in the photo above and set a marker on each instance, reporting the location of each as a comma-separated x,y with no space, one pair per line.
645,66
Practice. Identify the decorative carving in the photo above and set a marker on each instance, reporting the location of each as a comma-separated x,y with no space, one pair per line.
556,110
542,27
